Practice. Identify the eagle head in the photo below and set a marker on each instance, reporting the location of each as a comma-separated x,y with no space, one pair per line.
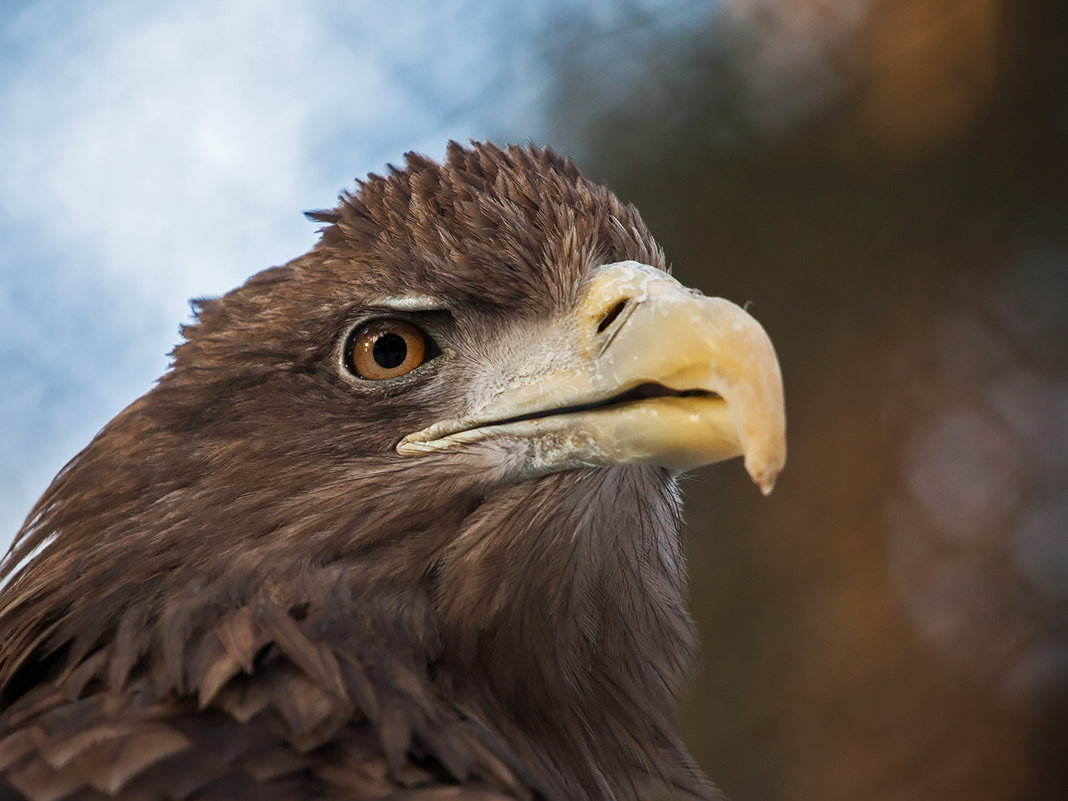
410,497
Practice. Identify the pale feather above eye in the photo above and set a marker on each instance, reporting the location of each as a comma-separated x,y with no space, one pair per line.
411,303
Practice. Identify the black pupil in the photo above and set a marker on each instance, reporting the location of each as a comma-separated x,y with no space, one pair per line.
390,351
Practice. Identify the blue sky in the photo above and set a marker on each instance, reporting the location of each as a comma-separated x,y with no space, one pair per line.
157,152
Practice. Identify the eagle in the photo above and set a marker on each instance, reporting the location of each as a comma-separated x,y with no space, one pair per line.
400,521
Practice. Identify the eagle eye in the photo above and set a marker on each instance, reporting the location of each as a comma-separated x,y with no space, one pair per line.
388,348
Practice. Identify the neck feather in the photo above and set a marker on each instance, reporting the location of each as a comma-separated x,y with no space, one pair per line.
561,606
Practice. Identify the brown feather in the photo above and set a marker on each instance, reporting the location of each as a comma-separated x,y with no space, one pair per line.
17,745
240,637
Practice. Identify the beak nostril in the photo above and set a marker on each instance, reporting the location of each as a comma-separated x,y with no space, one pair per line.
613,313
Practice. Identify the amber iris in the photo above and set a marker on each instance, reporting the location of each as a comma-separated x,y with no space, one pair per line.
387,349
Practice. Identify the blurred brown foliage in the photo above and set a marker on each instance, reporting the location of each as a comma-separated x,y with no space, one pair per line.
887,182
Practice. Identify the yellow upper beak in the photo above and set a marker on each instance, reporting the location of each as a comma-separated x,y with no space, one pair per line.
645,371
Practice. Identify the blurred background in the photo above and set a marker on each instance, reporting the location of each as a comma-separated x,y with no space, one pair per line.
885,181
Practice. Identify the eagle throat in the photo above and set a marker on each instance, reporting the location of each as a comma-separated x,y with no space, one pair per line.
561,612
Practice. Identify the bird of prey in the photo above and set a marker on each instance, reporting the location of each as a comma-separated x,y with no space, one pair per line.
400,521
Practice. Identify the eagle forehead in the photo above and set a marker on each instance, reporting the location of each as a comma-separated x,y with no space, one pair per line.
510,228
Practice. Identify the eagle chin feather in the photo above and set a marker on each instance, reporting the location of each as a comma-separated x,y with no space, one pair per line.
241,590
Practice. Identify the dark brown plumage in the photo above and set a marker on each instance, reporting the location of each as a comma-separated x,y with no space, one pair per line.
245,591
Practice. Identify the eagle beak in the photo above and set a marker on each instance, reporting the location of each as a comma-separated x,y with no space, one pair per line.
654,373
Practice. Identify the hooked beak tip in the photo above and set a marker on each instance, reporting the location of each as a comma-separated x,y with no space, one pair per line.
766,484
765,472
